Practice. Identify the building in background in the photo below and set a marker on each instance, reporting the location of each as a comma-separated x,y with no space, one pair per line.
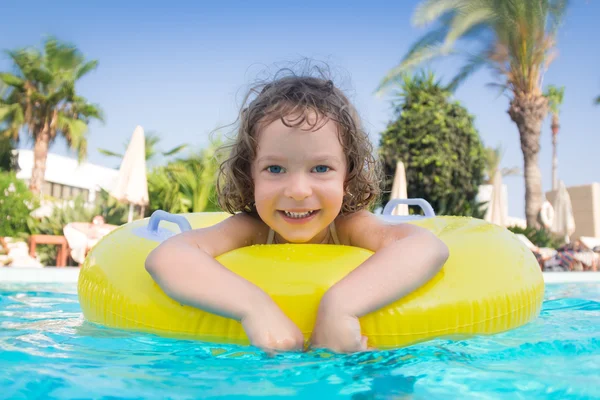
65,177
585,201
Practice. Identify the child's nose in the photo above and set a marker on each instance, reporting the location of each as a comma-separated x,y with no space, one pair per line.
298,187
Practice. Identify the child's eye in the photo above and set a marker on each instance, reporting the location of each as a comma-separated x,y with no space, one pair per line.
321,168
274,169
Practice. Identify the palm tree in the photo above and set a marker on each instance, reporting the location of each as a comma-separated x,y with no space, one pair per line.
597,101
555,97
493,158
151,145
186,184
42,101
516,39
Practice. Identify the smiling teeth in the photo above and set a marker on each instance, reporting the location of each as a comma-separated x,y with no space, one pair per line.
298,215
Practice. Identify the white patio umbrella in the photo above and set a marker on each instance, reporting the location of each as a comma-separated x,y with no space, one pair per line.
497,207
399,189
132,184
563,223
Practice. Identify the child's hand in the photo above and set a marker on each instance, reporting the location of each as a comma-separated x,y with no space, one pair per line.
337,331
271,330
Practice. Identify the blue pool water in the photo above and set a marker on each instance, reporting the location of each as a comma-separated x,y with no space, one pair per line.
47,350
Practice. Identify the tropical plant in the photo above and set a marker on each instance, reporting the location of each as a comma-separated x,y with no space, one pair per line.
16,203
6,144
493,158
152,139
63,213
437,142
42,100
516,39
555,97
186,184
538,236
597,101
6,156
113,211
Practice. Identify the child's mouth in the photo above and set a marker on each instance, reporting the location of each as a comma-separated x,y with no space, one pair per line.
298,216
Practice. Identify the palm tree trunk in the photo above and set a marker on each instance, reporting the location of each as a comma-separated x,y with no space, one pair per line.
528,110
40,154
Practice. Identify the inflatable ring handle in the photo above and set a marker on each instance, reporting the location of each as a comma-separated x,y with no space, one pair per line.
424,204
160,215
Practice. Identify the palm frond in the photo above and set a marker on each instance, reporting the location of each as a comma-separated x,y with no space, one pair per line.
7,111
493,159
110,153
464,22
12,119
12,80
556,11
86,68
74,131
25,60
433,38
513,171
474,63
426,53
520,33
174,150
430,10
89,111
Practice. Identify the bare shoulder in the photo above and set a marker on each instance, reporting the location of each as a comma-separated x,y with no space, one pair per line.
367,230
239,230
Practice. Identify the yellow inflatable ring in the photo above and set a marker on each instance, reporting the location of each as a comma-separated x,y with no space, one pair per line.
490,283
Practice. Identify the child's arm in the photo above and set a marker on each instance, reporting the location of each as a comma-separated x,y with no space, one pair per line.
184,266
406,256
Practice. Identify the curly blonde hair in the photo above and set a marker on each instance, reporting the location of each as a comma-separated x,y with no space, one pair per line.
300,97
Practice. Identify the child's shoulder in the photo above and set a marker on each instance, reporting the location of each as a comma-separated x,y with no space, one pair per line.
351,224
239,230
355,218
250,226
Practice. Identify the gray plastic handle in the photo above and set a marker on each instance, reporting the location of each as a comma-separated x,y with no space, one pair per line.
427,209
160,215
155,233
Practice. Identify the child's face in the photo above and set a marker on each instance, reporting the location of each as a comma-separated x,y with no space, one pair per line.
299,180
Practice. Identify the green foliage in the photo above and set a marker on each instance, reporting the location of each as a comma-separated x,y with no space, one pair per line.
110,209
6,144
440,148
42,100
186,184
75,210
493,158
43,89
16,202
6,148
515,39
555,96
540,237
63,213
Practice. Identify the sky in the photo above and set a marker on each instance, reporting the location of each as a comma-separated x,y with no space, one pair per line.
180,69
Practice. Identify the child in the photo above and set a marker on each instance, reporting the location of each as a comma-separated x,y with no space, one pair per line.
300,171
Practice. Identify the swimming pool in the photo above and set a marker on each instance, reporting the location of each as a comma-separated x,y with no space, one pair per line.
48,350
